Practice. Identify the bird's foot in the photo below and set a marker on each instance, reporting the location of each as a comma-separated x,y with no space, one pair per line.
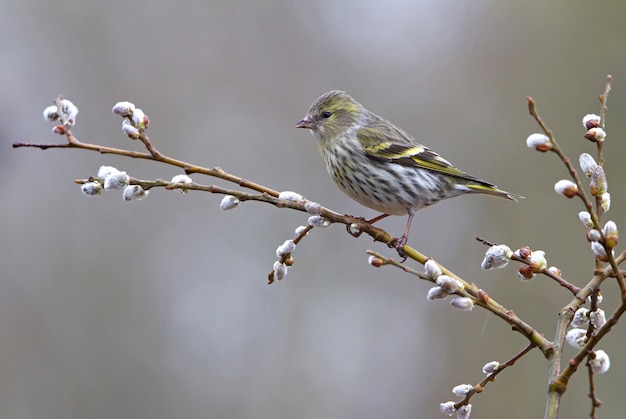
398,244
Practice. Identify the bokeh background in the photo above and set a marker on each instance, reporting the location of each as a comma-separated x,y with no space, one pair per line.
160,308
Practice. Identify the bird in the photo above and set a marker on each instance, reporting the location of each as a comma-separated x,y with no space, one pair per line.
381,166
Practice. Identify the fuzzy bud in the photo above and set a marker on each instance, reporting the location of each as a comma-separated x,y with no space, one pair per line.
591,121
116,181
585,218
599,251
134,193
598,182
432,269
280,271
50,113
284,249
600,363
130,130
299,230
449,284
318,221
447,408
523,252
525,273
566,187
436,293
70,111
576,338
605,201
229,202
595,135
462,390
581,318
464,411
538,261
91,188
462,303
593,235
597,318
587,164
140,119
123,109
181,180
313,208
610,234
497,257
375,261
291,197
184,179
539,142
105,171
491,367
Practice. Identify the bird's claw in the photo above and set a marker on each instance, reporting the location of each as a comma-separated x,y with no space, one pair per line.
398,244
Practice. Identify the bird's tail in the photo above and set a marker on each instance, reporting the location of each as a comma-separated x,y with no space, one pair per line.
489,189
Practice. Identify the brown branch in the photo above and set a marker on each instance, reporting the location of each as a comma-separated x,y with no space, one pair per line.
479,388
482,299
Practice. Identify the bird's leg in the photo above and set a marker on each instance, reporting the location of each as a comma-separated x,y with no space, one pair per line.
357,233
399,243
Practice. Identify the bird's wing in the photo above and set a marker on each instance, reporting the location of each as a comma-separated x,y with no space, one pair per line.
385,142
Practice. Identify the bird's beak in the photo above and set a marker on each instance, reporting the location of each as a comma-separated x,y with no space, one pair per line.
306,123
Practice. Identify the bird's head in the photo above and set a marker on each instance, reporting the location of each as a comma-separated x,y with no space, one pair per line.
331,114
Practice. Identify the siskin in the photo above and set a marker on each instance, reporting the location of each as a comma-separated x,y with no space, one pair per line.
381,166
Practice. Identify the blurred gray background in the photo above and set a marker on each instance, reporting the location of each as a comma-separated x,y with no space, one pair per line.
160,308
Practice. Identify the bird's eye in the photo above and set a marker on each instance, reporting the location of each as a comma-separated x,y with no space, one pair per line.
326,114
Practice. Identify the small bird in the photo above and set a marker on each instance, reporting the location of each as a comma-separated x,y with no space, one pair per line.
381,166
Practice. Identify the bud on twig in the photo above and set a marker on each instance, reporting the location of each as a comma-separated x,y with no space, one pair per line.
496,257
566,187
610,234
491,367
605,201
432,269
600,362
229,202
436,293
598,182
595,135
539,142
134,193
591,121
587,164
585,218
462,303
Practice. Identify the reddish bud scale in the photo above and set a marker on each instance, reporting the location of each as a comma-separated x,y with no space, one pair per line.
593,235
526,271
525,252
570,192
543,147
595,135
376,262
483,296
